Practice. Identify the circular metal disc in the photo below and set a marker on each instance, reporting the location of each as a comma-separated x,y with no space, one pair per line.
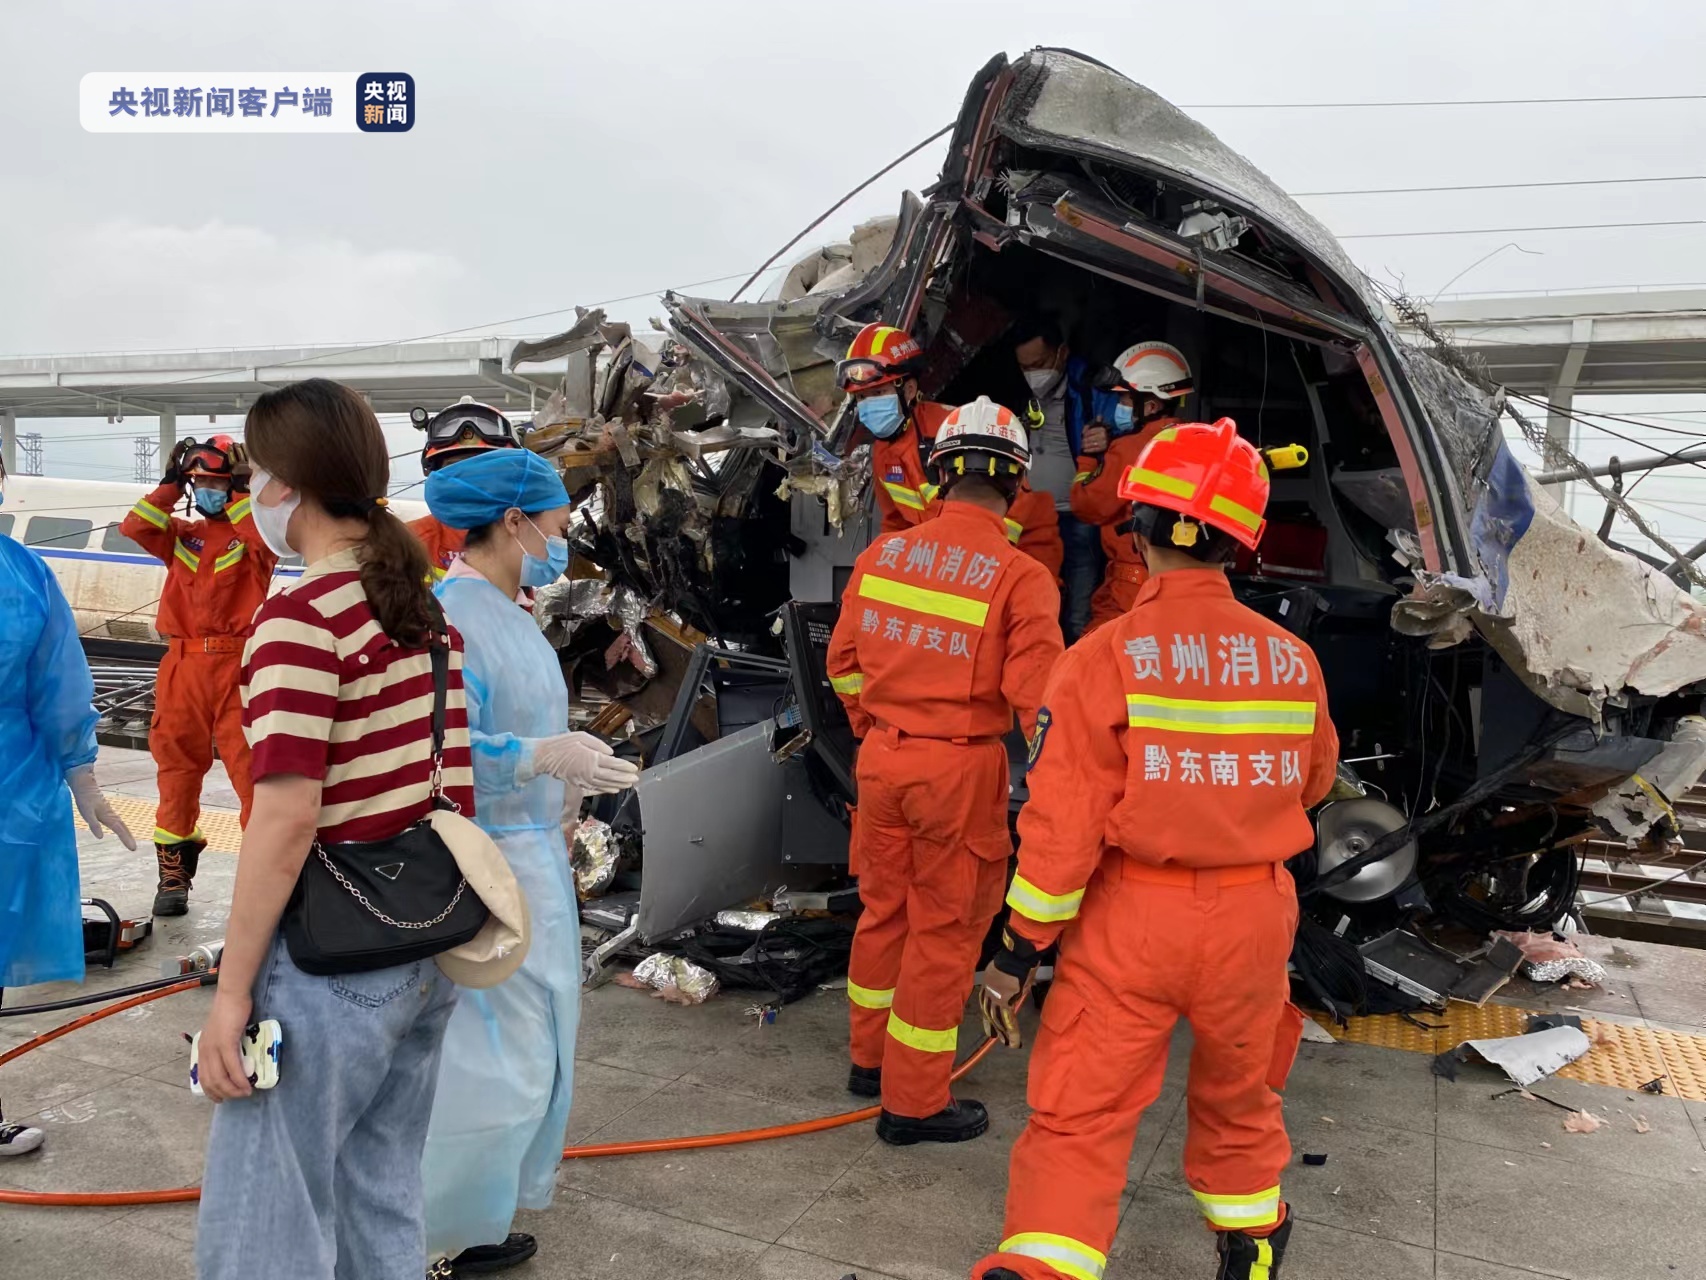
1349,827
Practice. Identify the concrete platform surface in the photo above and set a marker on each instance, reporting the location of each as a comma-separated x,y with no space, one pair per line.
1425,1179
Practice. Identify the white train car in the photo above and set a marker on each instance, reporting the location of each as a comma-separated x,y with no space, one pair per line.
112,584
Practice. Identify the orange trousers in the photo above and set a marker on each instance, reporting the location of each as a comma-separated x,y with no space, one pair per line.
196,702
1153,945
931,855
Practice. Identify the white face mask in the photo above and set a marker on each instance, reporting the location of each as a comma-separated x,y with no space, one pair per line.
273,522
1042,381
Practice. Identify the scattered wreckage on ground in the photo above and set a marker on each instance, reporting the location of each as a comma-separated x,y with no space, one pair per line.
1506,686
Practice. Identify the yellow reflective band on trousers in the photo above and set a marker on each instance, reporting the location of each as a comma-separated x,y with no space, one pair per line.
1166,484
923,1040
1045,908
1240,1213
151,513
163,836
1066,1255
904,496
1263,1267
869,998
1235,512
850,683
1194,715
938,604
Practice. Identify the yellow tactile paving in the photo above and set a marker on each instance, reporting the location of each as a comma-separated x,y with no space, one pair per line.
1624,1056
218,825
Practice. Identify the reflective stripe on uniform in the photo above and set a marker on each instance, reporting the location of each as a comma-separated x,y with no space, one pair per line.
929,491
151,513
904,496
869,998
1045,908
238,509
1235,512
1015,530
922,1039
853,682
1191,715
1082,476
1166,484
163,836
1262,1267
1068,1256
1240,1213
189,557
230,558
940,604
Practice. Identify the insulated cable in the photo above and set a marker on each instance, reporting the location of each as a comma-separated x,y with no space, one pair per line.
180,1195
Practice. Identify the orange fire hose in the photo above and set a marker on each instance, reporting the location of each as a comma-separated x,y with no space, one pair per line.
104,1199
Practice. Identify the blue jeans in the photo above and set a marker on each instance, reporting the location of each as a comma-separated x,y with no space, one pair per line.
1081,573
320,1177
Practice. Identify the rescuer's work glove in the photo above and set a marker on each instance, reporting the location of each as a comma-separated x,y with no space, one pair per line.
174,473
1003,987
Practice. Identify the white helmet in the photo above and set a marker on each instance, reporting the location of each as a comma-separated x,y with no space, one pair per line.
1156,369
981,438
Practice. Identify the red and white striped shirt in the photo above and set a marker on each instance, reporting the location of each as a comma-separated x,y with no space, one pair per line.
327,695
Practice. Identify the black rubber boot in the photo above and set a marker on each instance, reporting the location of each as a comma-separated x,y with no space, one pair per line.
959,1121
484,1258
177,863
866,1082
1244,1257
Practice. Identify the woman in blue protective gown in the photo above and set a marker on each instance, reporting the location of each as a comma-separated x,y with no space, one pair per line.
47,763
502,1104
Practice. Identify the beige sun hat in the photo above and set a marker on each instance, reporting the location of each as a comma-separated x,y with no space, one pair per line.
499,948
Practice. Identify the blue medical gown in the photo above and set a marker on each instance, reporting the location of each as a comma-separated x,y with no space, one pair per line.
47,727
502,1104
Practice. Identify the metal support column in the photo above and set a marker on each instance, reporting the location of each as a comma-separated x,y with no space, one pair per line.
1560,399
9,440
168,435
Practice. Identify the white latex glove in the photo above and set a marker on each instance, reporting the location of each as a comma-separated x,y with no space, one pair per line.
582,761
94,808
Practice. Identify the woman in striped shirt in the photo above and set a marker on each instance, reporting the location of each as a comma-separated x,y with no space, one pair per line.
320,1176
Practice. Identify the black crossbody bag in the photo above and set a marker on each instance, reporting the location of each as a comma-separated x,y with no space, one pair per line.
372,904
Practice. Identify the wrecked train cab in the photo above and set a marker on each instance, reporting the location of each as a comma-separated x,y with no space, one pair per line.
1496,704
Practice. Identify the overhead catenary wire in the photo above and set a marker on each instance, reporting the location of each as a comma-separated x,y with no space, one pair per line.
1509,231
1498,186
1437,102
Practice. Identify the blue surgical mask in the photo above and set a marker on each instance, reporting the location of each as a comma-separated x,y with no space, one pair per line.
542,573
210,502
881,415
1122,417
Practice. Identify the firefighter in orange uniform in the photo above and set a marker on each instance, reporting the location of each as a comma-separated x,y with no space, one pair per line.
1181,747
463,430
218,570
946,631
881,372
1151,380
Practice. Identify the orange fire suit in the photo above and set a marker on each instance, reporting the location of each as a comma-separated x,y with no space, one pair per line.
1179,750
218,571
1095,499
945,632
443,544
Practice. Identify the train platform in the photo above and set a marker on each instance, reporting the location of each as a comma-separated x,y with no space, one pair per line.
1424,1178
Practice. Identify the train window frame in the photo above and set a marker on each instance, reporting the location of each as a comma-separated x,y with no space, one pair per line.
6,520
114,542
64,531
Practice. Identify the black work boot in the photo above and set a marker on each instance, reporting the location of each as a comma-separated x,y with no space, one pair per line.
1245,1257
484,1258
959,1121
177,864
866,1082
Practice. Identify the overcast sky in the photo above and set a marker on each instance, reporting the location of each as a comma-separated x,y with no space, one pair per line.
572,153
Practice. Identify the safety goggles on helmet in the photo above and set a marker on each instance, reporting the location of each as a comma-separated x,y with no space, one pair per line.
866,374
467,427
211,457
878,354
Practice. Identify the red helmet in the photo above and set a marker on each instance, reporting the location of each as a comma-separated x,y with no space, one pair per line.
211,457
1208,474
878,355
